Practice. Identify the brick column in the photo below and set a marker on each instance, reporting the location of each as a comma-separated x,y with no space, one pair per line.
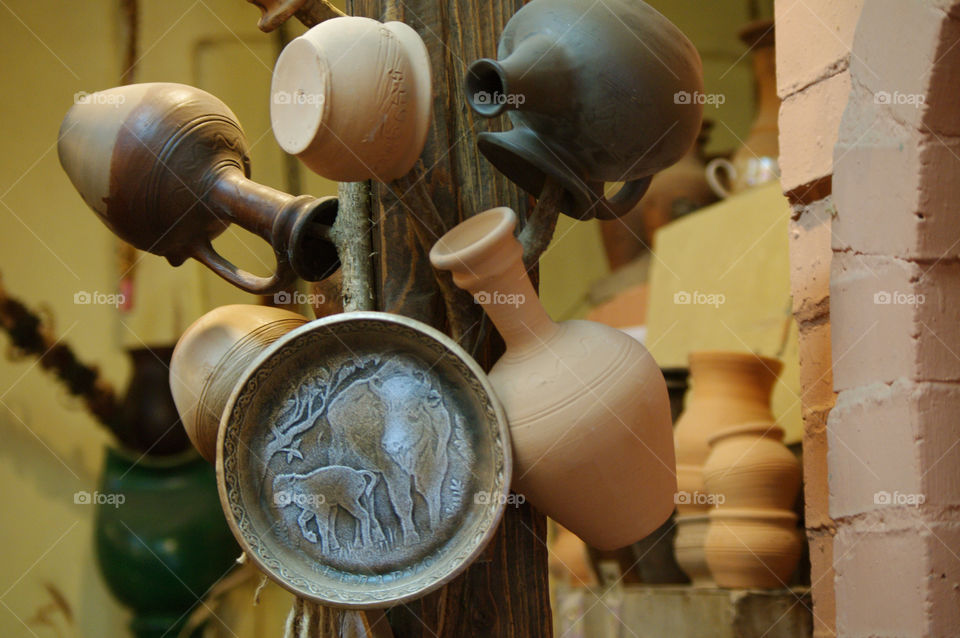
813,81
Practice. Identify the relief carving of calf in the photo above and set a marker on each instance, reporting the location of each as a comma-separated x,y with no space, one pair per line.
319,493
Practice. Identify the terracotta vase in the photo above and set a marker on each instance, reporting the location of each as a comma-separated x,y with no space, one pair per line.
728,389
688,548
749,466
587,405
166,167
752,548
210,358
352,99
755,162
595,94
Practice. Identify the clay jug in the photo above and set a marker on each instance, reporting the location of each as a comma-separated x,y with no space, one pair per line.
749,466
209,359
595,93
688,548
166,167
752,548
587,405
755,162
351,98
728,389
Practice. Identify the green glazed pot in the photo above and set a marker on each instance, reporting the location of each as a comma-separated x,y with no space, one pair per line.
161,537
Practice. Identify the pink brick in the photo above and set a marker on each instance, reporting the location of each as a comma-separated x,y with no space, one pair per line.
879,583
809,123
943,592
816,490
892,194
899,73
893,318
810,256
821,583
813,40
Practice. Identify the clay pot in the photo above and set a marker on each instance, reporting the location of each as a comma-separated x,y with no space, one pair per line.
752,548
166,167
587,405
595,94
210,358
688,548
352,99
755,162
728,389
749,466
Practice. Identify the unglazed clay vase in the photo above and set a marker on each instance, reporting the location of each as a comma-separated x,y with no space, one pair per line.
165,167
752,548
728,389
688,548
351,98
210,358
755,162
749,466
595,93
587,405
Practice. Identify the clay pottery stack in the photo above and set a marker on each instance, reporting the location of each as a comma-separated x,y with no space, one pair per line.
593,93
166,168
752,540
728,389
351,98
587,405
755,162
210,359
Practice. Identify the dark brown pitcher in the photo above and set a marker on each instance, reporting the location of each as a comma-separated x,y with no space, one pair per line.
596,92
166,168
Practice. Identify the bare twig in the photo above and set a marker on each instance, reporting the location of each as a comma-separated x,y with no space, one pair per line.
309,12
351,234
536,235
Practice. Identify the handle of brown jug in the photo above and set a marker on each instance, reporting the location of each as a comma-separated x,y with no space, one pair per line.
247,281
625,199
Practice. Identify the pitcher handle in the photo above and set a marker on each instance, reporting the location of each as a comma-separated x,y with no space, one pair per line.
625,199
714,181
282,278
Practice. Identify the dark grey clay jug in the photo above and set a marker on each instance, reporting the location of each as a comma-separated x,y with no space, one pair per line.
596,92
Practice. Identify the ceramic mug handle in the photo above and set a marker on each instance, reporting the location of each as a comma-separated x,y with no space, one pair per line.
714,181
284,275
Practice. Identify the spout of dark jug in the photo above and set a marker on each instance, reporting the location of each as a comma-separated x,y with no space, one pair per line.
534,77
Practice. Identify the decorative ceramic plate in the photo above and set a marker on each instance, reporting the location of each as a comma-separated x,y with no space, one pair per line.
363,460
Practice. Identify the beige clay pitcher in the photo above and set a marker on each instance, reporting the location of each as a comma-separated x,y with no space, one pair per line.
587,404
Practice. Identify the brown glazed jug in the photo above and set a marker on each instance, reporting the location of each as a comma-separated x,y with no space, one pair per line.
210,358
587,405
166,168
596,92
728,389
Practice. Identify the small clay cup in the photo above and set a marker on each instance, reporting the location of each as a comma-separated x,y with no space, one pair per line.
210,358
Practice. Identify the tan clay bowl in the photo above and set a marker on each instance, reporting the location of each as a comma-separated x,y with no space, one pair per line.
352,99
210,357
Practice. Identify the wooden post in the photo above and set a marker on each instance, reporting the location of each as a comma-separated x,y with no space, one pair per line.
504,593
